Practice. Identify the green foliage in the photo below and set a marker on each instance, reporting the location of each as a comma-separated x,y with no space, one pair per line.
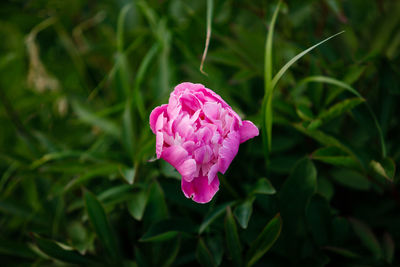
78,181
265,240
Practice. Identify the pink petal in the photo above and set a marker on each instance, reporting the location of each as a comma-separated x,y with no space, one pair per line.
159,143
160,122
174,155
187,169
173,108
247,131
195,116
211,110
188,86
205,133
199,154
228,151
189,146
154,116
190,103
199,189
184,127
212,173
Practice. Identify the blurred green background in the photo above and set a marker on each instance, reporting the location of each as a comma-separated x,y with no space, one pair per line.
78,180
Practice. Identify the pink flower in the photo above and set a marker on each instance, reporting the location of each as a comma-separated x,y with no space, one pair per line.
199,134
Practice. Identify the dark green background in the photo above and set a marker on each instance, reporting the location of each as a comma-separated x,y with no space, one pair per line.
78,180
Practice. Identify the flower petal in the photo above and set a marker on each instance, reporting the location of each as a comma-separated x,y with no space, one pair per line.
154,116
212,173
187,169
159,143
199,189
160,122
247,131
199,154
174,155
211,110
228,151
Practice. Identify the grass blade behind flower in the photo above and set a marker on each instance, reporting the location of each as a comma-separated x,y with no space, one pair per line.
267,118
270,82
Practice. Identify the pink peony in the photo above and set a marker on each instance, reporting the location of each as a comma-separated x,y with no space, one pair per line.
199,134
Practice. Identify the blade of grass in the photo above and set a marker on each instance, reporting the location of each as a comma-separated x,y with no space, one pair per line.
282,71
268,119
210,5
327,140
144,65
267,122
265,240
102,226
332,81
268,52
120,27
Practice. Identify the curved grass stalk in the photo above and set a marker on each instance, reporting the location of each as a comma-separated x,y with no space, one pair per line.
267,108
210,4
270,82
332,81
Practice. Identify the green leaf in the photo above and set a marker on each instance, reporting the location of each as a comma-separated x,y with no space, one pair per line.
333,155
264,241
339,108
203,254
342,252
55,251
351,179
156,208
318,216
129,175
232,238
326,140
97,171
243,212
296,193
166,229
114,192
79,237
110,196
304,112
92,119
367,237
169,171
347,87
354,73
55,156
385,168
137,204
24,212
388,247
215,244
263,186
101,225
169,255
213,215
325,188
16,249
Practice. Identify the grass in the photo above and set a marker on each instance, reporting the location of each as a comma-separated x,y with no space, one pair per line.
78,179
